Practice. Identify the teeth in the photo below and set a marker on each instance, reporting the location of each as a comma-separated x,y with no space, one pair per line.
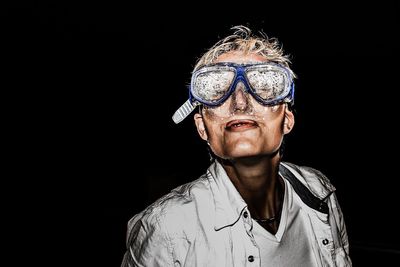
239,124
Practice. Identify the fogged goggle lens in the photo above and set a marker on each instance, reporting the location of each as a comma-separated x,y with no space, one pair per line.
269,83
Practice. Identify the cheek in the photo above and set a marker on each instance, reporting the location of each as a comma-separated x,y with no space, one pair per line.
217,115
215,135
274,134
273,115
216,138
271,135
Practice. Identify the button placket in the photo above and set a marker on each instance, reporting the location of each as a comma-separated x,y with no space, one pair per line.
247,222
247,219
251,247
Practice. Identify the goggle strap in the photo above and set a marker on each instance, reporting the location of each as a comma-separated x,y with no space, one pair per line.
183,111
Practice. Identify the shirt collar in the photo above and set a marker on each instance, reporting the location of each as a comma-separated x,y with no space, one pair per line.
229,205
313,179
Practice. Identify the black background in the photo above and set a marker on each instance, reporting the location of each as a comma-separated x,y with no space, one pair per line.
103,79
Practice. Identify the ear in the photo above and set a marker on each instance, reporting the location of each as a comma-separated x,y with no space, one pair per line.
288,122
201,129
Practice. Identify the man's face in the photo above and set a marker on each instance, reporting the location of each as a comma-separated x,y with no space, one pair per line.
242,127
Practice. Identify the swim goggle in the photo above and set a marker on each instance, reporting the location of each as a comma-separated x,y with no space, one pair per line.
211,85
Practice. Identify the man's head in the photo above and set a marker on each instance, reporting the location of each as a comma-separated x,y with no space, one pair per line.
242,40
244,86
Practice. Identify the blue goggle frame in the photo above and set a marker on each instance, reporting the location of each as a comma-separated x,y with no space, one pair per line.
240,76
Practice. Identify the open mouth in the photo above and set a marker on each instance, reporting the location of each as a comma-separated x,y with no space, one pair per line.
237,125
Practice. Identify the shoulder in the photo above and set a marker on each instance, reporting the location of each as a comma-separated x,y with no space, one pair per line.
312,178
168,213
153,233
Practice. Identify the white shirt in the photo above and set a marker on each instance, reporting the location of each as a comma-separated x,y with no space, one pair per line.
207,223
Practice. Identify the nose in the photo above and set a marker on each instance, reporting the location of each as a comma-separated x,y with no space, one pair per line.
240,98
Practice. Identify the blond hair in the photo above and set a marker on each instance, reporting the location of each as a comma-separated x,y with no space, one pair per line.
244,40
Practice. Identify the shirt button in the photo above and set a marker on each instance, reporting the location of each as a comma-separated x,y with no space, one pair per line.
250,258
325,241
245,214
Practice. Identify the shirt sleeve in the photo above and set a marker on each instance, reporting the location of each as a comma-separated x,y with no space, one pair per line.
147,243
341,225
338,217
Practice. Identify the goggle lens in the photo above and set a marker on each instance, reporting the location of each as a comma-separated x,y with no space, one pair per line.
212,85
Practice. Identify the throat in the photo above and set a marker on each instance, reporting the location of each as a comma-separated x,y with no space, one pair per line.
261,187
267,212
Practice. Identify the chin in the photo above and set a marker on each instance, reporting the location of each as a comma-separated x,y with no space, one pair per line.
243,154
250,152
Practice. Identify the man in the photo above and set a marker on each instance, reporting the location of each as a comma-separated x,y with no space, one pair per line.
249,209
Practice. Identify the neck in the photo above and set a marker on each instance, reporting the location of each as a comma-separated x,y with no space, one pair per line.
257,180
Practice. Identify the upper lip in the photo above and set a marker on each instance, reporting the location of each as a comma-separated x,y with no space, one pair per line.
240,121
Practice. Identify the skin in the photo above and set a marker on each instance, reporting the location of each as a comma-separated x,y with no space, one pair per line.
246,138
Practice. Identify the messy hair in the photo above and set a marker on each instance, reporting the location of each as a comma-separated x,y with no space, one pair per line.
244,40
